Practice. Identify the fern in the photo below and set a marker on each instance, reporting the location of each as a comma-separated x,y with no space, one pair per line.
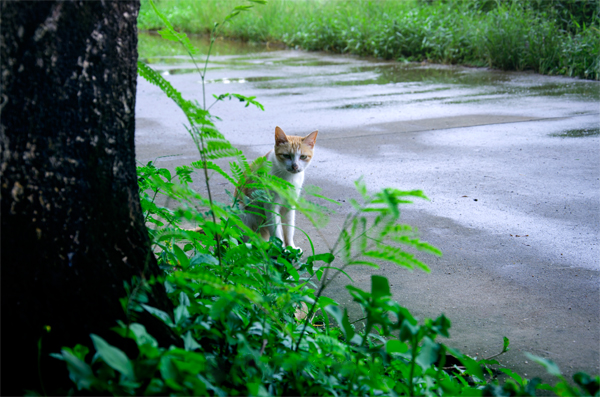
170,33
212,166
194,113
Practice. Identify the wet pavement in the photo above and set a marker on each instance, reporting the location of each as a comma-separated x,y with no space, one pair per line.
509,161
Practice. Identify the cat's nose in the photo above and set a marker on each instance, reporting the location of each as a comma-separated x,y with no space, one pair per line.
295,167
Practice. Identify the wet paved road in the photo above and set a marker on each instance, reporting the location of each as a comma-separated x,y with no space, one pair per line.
510,162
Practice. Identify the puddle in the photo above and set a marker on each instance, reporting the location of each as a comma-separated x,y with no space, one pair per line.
366,105
152,46
289,70
578,133
242,80
305,62
431,74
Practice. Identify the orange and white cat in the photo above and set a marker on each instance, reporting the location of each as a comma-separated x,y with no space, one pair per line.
290,157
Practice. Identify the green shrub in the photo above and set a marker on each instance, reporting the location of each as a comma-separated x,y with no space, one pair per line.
252,316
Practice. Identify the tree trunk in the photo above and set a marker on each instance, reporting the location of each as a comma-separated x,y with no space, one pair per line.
72,228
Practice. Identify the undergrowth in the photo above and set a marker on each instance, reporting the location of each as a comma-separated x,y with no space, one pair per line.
251,315
557,37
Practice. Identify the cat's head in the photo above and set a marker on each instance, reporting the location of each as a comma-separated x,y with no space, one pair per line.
294,152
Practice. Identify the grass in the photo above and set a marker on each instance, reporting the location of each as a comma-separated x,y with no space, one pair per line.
556,37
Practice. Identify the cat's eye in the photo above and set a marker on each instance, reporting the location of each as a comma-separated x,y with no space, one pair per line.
303,157
286,156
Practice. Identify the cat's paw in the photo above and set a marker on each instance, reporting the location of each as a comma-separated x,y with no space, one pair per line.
295,248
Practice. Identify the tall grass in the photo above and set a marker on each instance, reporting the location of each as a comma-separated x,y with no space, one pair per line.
549,37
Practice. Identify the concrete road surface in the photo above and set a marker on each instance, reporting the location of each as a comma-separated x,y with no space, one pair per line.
510,162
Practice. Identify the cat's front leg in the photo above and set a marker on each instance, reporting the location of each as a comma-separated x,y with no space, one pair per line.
274,221
288,223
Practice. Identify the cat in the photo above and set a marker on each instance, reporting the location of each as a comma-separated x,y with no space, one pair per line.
290,157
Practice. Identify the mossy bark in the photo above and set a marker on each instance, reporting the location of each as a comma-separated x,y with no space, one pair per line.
72,227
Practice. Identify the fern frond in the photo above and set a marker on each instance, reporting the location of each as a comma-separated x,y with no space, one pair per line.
195,114
223,153
170,33
397,256
212,166
418,244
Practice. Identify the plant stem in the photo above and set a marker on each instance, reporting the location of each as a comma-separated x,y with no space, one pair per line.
412,367
210,200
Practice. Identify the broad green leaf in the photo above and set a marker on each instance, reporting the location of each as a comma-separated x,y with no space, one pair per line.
342,320
189,342
141,336
550,365
79,351
325,301
408,330
113,357
79,372
160,314
380,287
184,300
182,258
428,353
200,259
395,346
181,313
167,368
326,257
513,375
165,172
472,366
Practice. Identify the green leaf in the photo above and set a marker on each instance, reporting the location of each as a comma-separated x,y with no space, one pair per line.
428,353
380,287
506,343
139,334
113,357
472,366
182,258
181,313
326,257
189,342
165,172
342,320
167,368
518,378
168,35
408,330
160,314
79,351
338,269
200,259
550,365
79,372
325,301
184,300
395,346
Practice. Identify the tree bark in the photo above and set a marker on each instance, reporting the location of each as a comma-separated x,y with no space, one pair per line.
72,227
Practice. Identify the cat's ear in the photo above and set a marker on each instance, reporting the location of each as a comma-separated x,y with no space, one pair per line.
280,137
310,139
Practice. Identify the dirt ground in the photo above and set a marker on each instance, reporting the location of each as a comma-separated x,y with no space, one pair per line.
509,161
